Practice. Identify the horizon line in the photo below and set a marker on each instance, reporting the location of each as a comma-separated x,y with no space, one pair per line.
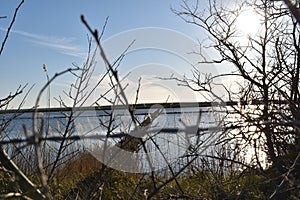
141,106
109,107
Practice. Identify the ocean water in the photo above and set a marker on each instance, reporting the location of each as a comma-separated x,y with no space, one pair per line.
164,147
168,118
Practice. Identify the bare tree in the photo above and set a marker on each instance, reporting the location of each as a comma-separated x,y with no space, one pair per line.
293,7
266,117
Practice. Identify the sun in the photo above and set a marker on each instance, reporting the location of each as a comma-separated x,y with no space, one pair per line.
248,22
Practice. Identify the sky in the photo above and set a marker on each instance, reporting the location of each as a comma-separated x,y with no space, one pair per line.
51,33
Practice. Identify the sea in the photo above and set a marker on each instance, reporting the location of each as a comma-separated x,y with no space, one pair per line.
176,133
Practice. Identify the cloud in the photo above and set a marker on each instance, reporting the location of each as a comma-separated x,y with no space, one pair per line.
64,45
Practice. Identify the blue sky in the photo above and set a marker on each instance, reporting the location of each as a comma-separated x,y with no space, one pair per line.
51,32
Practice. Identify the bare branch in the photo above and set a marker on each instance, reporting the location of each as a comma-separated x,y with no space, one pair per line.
10,26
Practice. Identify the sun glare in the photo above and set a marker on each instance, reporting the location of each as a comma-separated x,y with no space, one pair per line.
248,22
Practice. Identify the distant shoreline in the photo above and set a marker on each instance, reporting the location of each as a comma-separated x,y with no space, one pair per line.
141,106
108,107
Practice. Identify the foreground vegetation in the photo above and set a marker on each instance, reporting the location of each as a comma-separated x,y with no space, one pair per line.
195,184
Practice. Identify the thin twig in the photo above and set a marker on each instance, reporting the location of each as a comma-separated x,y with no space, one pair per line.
10,26
13,195
110,67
